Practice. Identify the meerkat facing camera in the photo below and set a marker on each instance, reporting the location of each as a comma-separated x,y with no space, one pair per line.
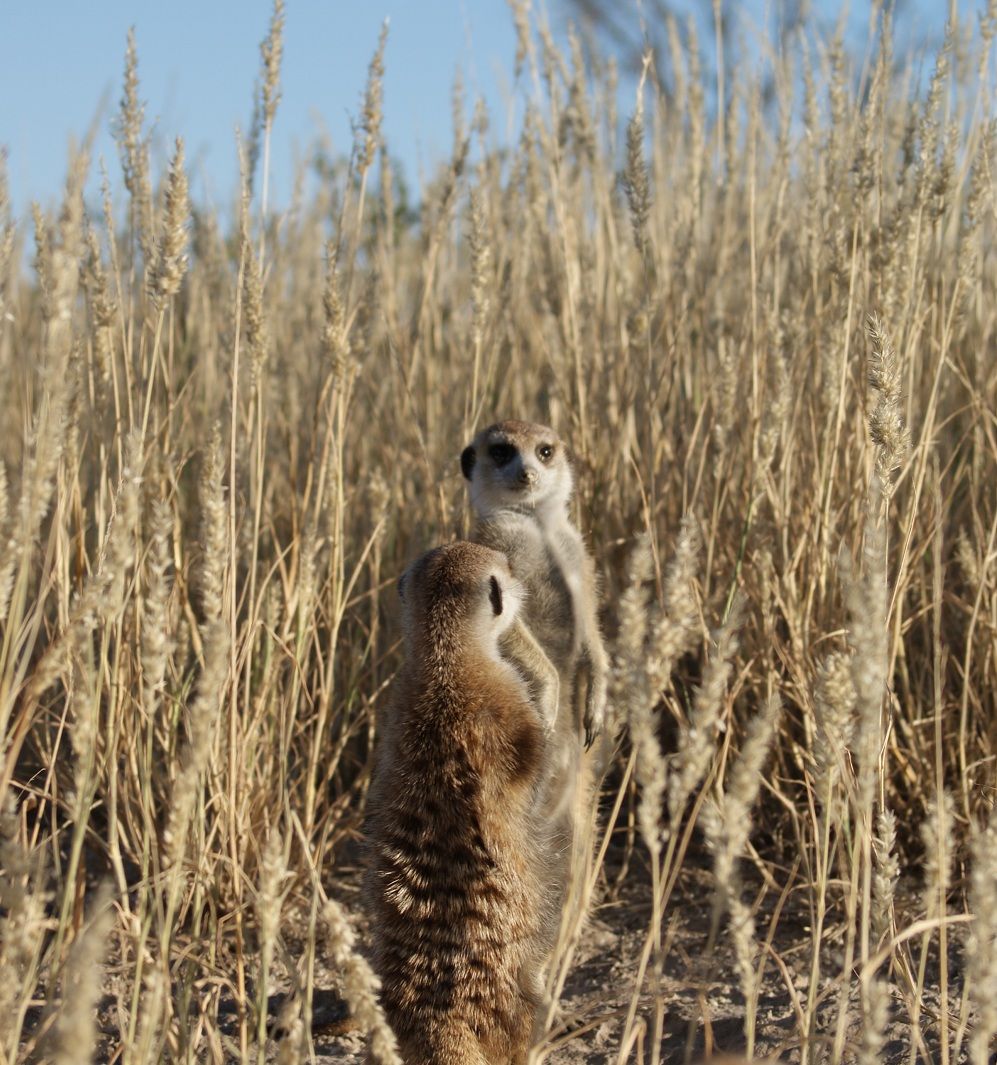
520,484
456,877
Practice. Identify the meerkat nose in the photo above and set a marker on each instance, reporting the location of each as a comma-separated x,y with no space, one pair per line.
528,475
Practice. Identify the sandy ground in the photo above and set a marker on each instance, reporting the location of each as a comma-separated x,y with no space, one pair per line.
703,1004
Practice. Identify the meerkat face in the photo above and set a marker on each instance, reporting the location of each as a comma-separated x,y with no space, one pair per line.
461,589
517,466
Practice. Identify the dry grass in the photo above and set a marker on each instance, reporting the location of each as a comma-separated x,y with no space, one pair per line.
770,340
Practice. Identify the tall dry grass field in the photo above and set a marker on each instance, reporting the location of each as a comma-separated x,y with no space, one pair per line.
771,338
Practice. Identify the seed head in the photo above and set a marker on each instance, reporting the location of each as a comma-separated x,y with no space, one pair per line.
170,259
370,115
271,51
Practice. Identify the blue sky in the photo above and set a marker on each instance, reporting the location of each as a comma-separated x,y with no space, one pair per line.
198,62
63,61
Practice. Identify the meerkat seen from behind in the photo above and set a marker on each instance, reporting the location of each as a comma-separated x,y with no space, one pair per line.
456,878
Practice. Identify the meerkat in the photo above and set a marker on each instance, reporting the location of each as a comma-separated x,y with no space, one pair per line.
521,482
456,885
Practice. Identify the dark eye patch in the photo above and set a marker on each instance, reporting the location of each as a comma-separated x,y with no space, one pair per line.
495,595
502,454
467,458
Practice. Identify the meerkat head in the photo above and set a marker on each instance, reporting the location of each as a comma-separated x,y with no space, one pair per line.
517,466
458,594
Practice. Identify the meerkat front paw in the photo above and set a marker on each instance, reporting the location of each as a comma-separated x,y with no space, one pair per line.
595,713
549,699
591,686
526,653
546,693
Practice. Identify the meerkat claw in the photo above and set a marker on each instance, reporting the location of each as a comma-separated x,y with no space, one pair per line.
593,727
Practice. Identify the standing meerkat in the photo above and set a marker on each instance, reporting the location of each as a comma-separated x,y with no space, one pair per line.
520,483
456,879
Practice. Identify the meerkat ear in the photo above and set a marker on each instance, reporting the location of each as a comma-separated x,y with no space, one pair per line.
400,586
495,595
467,458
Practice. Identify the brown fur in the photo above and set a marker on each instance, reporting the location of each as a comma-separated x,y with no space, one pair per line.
456,851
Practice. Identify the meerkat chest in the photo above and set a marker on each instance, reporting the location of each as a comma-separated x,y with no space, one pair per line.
545,559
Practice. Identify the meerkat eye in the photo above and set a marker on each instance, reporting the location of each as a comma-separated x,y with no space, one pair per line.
545,452
502,454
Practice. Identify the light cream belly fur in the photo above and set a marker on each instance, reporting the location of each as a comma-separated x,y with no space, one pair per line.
549,613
